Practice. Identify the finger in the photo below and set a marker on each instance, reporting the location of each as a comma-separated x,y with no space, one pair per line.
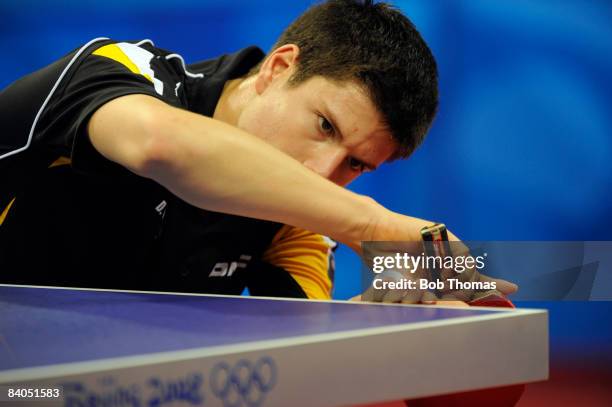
455,291
369,295
412,297
394,295
504,286
460,295
387,294
429,298
489,293
452,303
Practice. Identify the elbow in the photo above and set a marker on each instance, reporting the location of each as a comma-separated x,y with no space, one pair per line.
158,154
138,132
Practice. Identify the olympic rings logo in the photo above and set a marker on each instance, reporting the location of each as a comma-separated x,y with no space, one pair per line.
244,384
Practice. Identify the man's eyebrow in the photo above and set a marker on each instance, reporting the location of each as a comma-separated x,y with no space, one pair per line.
334,123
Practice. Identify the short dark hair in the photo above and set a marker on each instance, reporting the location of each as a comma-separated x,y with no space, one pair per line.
379,46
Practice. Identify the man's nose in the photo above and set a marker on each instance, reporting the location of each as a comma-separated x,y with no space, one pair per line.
326,163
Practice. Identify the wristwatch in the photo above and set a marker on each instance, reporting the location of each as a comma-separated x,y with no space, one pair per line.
435,243
438,235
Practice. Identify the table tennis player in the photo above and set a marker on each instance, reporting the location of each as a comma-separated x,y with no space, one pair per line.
123,167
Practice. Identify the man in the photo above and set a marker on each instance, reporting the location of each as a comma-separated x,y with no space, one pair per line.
122,168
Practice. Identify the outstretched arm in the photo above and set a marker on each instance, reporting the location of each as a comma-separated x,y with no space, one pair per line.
216,166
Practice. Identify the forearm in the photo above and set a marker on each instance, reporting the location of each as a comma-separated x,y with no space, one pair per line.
219,167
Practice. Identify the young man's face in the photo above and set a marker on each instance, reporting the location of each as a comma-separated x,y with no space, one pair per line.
331,127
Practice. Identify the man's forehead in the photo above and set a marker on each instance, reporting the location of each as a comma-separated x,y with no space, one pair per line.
362,126
376,149
353,102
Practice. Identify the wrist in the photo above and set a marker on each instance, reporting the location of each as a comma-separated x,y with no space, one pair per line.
397,227
366,219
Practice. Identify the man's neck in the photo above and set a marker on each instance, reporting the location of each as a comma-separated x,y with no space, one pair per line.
235,95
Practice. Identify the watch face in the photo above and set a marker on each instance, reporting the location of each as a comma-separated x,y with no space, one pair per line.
435,232
435,240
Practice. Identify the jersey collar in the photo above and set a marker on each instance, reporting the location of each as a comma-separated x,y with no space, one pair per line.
203,93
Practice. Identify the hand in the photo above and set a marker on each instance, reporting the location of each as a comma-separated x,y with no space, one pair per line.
446,297
452,283
448,303
470,275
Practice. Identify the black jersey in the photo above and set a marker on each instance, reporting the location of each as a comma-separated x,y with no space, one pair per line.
70,217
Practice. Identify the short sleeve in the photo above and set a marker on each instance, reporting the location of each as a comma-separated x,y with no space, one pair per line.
99,74
307,257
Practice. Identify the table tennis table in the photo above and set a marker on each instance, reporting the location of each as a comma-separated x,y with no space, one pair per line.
132,348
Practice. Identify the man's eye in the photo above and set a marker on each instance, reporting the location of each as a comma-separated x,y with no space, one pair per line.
325,125
356,165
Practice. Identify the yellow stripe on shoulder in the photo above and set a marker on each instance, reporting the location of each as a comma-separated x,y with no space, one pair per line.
114,52
129,55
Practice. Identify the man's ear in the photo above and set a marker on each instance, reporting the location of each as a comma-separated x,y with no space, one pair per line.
279,63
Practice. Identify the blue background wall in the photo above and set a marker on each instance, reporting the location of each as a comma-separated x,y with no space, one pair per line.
521,146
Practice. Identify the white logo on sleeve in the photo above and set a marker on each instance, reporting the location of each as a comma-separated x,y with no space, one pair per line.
225,269
161,208
142,59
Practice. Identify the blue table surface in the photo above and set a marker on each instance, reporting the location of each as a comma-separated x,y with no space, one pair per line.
42,326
